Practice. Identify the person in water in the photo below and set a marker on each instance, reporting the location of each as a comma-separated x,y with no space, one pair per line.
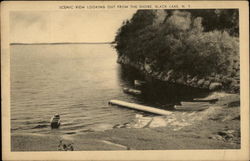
55,121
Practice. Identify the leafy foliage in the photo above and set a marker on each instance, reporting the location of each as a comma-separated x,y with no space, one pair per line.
190,41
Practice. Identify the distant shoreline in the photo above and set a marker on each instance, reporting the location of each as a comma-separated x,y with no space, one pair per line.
61,43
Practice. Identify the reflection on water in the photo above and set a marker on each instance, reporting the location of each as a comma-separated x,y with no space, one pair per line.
77,81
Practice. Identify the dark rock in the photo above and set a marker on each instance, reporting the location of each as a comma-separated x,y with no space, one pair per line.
236,118
194,84
237,73
206,84
147,68
236,65
227,135
159,76
218,76
181,80
141,68
215,86
234,82
188,76
166,78
172,80
216,137
234,104
169,76
210,78
230,131
227,80
189,81
200,82
170,72
233,73
195,79
213,74
237,78
235,86
155,74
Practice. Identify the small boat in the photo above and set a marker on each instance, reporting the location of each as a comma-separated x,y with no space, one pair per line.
194,103
55,121
139,83
205,100
132,91
192,106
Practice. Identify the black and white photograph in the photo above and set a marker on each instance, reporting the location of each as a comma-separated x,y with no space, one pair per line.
92,78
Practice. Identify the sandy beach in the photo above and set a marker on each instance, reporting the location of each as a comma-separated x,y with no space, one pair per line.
215,128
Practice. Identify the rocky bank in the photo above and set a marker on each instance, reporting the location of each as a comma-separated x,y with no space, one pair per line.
212,82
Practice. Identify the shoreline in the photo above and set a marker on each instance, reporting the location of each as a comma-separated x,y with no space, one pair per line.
213,82
215,128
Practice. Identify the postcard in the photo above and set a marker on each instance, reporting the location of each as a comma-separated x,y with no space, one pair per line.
125,80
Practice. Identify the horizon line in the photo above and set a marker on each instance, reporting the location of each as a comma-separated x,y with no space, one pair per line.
55,43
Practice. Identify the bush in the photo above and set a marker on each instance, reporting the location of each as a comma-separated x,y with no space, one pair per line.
178,42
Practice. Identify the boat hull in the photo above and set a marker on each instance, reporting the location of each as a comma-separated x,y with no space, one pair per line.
139,83
55,125
132,91
206,100
189,108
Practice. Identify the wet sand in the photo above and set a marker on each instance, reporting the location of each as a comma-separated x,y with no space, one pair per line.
215,128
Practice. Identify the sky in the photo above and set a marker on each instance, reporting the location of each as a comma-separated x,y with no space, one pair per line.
66,26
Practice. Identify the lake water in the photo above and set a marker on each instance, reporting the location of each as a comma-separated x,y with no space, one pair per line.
77,81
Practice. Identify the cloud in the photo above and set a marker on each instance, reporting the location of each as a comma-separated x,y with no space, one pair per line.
29,26
72,26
